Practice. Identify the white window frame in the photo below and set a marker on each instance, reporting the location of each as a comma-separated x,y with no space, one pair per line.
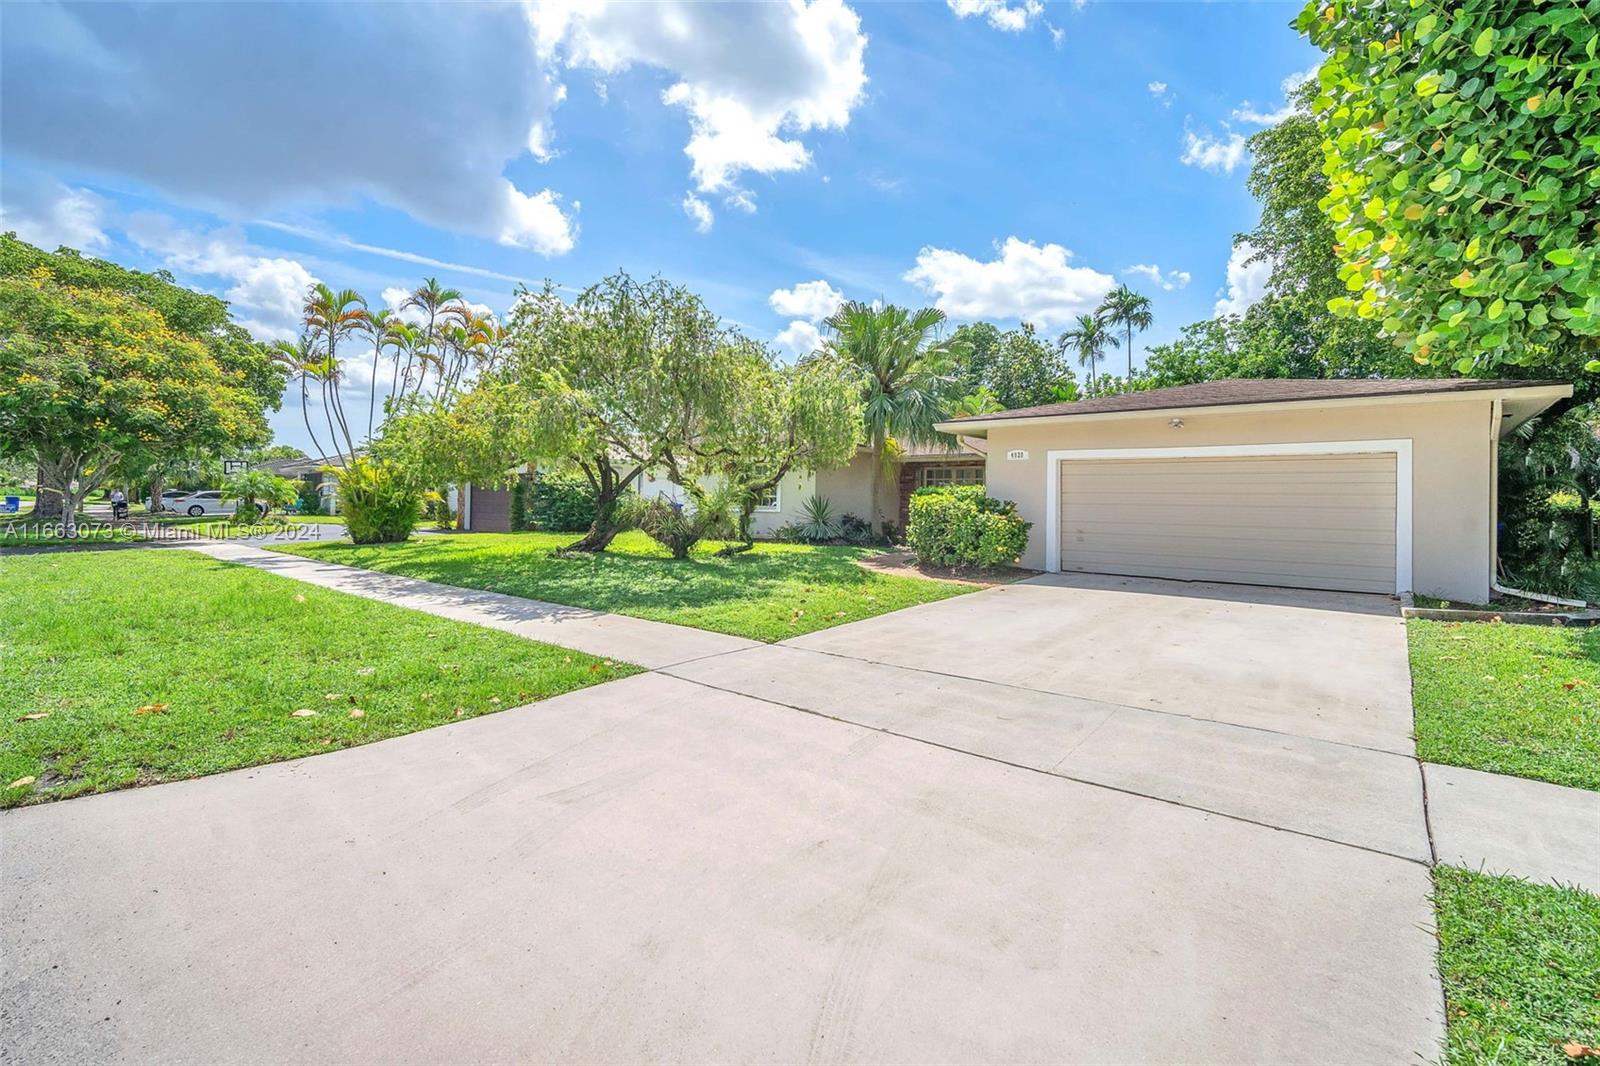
922,473
1399,448
777,500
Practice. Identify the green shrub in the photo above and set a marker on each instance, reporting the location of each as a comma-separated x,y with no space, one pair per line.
519,520
308,499
816,519
561,502
958,525
380,505
678,528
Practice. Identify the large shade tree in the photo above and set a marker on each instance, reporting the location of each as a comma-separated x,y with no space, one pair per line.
775,419
905,368
614,380
1017,367
93,371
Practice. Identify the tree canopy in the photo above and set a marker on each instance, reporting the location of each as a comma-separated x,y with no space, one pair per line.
92,369
1017,367
1462,149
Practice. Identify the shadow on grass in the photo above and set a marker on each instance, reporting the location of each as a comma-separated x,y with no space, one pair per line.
634,574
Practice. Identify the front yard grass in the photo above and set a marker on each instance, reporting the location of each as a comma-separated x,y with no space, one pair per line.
133,667
1521,968
1511,699
770,593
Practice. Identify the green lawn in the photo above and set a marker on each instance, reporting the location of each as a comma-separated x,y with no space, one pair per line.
769,593
227,654
1520,965
1511,699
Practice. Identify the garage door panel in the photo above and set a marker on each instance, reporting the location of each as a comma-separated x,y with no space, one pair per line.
1314,521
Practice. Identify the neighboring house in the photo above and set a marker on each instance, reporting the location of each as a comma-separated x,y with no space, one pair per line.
311,471
1361,485
847,488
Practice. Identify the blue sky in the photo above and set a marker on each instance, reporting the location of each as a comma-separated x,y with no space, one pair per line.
1003,160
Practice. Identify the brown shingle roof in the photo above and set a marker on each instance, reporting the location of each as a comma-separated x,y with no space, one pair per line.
1256,390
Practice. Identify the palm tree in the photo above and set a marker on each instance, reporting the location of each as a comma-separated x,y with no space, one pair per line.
1088,340
436,302
380,327
906,372
1124,307
330,317
299,357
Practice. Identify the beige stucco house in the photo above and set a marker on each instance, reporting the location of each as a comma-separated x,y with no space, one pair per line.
1361,485
848,489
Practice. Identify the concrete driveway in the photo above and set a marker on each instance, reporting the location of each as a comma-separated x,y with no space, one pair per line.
1054,821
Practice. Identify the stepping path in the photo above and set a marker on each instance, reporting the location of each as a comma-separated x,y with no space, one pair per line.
652,645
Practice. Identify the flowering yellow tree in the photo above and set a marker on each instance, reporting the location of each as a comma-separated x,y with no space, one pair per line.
90,375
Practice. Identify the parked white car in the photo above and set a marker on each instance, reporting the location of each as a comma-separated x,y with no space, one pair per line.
200,503
169,500
211,501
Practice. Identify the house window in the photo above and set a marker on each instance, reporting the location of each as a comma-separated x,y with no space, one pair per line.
771,500
949,475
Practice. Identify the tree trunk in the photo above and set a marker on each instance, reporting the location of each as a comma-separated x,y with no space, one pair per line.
605,527
608,490
158,483
877,483
46,498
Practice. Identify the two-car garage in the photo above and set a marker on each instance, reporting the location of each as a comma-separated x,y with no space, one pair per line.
1364,485
1307,520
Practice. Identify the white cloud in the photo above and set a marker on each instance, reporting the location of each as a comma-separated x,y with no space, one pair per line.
801,338
1208,152
1169,280
266,292
751,77
1247,112
1247,282
49,214
1027,281
536,221
1161,91
741,200
1009,17
254,82
698,210
810,300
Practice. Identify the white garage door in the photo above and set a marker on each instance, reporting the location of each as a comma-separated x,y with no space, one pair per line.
1306,521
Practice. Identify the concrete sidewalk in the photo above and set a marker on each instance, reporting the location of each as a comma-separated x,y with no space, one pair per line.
1501,824
652,645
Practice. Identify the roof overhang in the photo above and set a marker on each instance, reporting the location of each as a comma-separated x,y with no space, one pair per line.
1519,404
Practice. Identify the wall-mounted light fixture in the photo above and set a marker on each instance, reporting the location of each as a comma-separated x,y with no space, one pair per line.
1176,423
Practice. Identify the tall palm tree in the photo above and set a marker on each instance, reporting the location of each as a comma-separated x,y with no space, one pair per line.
299,357
1088,339
380,327
436,302
905,371
330,317
1124,307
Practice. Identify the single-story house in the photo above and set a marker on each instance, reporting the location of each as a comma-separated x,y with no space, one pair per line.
1361,485
848,488
310,470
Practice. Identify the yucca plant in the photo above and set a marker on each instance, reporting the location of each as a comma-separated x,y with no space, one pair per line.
817,522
